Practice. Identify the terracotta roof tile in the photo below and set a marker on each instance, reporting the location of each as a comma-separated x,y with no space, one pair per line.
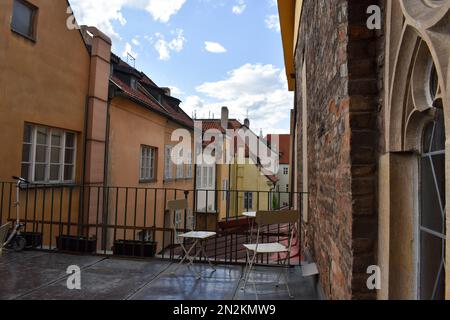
283,148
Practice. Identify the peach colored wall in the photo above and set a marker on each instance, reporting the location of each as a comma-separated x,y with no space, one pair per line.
131,126
43,82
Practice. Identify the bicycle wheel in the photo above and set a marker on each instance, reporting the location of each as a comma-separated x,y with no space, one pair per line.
19,243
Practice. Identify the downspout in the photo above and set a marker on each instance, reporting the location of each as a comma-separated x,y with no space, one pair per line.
111,94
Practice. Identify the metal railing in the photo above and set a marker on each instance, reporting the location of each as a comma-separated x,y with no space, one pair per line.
133,221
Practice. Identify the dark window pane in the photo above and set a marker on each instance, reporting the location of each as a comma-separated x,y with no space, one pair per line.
54,172
26,153
70,140
39,172
27,133
439,170
439,133
68,173
56,138
434,82
430,209
55,155
428,132
22,20
41,153
25,173
430,262
69,156
42,136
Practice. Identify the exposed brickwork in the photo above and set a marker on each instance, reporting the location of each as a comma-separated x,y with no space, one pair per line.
343,95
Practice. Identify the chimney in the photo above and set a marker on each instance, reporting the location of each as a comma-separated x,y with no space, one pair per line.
97,104
247,123
167,91
224,118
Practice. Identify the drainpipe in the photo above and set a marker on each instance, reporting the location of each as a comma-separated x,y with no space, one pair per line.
97,116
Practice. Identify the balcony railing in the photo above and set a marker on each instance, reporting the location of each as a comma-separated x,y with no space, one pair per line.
133,221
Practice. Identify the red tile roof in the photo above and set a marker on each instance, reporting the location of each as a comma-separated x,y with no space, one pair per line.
234,124
171,112
283,147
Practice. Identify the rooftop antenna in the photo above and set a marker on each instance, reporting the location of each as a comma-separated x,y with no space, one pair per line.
131,59
247,114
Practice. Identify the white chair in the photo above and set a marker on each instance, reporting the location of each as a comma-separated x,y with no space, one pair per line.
3,233
177,209
264,218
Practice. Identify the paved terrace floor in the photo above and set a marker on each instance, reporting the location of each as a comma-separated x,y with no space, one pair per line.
41,275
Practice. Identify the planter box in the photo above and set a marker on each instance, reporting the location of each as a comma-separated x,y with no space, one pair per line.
76,244
33,239
136,248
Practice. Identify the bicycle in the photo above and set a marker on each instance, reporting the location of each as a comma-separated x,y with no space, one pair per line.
15,240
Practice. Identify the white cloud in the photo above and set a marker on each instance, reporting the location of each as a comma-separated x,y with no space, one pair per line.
273,22
260,89
100,13
240,7
162,10
104,13
166,47
175,91
136,41
273,3
129,51
193,105
214,47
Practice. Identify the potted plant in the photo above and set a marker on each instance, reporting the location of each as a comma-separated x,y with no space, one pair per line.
76,244
33,239
134,248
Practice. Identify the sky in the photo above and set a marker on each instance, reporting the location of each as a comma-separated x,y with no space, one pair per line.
211,53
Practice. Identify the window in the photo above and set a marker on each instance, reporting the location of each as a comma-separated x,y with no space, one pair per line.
148,161
287,188
168,163
224,189
24,18
248,200
432,224
48,155
285,171
180,167
210,177
205,177
189,167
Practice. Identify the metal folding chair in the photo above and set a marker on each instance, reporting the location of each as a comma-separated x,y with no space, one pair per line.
177,208
3,233
264,218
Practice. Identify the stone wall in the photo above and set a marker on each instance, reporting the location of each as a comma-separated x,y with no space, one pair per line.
343,97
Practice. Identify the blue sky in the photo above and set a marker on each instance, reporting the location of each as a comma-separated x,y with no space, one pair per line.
211,52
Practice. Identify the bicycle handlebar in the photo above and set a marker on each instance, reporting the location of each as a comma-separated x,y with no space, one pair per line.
22,180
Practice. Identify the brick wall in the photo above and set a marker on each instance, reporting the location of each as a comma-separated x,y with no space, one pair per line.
343,93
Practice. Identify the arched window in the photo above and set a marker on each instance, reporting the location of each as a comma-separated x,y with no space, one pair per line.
432,203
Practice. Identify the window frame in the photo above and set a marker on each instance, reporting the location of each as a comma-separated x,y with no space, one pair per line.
179,168
248,200
33,23
168,163
48,161
153,165
189,167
